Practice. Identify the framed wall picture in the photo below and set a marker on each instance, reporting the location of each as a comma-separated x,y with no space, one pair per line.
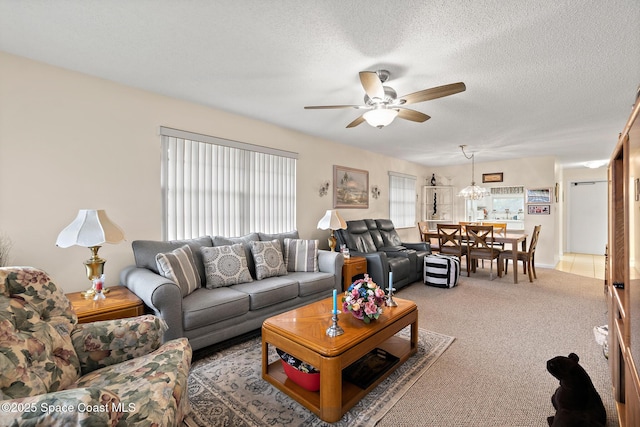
538,195
539,209
350,188
492,177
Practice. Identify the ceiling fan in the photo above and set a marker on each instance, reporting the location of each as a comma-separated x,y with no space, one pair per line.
384,105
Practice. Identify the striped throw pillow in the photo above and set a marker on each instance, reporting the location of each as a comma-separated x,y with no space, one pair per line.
179,266
301,255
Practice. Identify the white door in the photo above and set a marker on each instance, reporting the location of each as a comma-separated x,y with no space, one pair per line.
587,217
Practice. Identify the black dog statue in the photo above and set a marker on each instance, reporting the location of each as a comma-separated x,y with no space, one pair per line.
576,401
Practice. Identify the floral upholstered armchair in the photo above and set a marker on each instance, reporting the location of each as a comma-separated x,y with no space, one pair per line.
54,371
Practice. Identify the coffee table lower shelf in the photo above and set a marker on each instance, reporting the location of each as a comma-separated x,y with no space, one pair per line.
351,393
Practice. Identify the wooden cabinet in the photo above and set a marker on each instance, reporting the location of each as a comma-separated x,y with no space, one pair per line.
623,271
437,205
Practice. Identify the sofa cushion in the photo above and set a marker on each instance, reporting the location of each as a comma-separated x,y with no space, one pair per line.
388,231
246,244
205,306
145,251
273,290
36,352
312,283
301,255
357,237
268,259
179,267
108,342
152,387
225,265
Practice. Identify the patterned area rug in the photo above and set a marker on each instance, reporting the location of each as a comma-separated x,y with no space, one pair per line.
227,389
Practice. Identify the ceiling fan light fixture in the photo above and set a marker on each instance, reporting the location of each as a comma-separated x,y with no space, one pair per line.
380,117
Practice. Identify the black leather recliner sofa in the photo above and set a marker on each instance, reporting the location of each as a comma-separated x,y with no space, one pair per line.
379,242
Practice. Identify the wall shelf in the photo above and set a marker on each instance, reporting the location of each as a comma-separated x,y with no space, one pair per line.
444,211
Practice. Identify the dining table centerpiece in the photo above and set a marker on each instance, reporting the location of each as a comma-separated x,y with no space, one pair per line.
364,299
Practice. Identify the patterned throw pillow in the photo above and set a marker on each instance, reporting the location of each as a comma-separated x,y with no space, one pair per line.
179,266
301,255
225,265
268,259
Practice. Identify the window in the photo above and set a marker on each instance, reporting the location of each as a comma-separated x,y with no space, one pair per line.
402,199
213,186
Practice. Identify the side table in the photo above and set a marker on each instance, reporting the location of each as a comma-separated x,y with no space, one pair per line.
353,266
119,303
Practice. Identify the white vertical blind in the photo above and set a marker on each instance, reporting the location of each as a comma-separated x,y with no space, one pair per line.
213,186
402,199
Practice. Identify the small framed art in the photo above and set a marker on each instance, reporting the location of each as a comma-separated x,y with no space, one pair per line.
539,209
492,177
539,195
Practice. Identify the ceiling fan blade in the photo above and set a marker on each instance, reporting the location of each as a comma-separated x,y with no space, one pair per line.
413,115
434,93
324,107
356,122
372,84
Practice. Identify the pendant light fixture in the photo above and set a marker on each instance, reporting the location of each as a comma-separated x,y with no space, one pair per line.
472,192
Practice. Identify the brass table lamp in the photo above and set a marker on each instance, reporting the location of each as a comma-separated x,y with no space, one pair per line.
332,221
91,229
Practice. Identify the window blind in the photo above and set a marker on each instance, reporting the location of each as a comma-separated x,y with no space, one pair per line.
213,186
402,199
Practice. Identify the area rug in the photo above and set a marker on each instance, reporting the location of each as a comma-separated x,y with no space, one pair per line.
227,389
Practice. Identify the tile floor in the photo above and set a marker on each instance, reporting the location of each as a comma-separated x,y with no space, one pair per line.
582,264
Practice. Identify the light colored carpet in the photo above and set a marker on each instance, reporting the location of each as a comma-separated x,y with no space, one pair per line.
226,388
495,373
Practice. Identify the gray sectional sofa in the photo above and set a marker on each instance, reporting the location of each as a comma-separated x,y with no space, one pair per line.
206,314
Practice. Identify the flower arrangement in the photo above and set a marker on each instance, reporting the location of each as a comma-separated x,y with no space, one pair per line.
364,299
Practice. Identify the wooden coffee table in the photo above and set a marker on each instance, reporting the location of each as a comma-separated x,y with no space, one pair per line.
302,333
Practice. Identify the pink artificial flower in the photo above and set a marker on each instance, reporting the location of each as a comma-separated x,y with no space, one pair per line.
370,308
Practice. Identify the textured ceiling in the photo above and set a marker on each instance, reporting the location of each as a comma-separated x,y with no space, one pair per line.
543,77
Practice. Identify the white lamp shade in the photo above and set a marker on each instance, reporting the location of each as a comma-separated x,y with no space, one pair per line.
90,228
332,221
380,117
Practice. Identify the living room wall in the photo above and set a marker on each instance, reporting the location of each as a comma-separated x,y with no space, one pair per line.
70,141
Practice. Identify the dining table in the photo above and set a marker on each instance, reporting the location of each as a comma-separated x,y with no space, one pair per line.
513,238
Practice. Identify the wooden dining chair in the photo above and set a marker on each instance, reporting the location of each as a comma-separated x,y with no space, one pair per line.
450,240
464,224
480,246
499,228
423,229
527,258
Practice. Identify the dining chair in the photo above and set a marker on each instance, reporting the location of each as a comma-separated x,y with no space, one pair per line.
423,229
450,240
464,224
499,228
527,258
480,246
